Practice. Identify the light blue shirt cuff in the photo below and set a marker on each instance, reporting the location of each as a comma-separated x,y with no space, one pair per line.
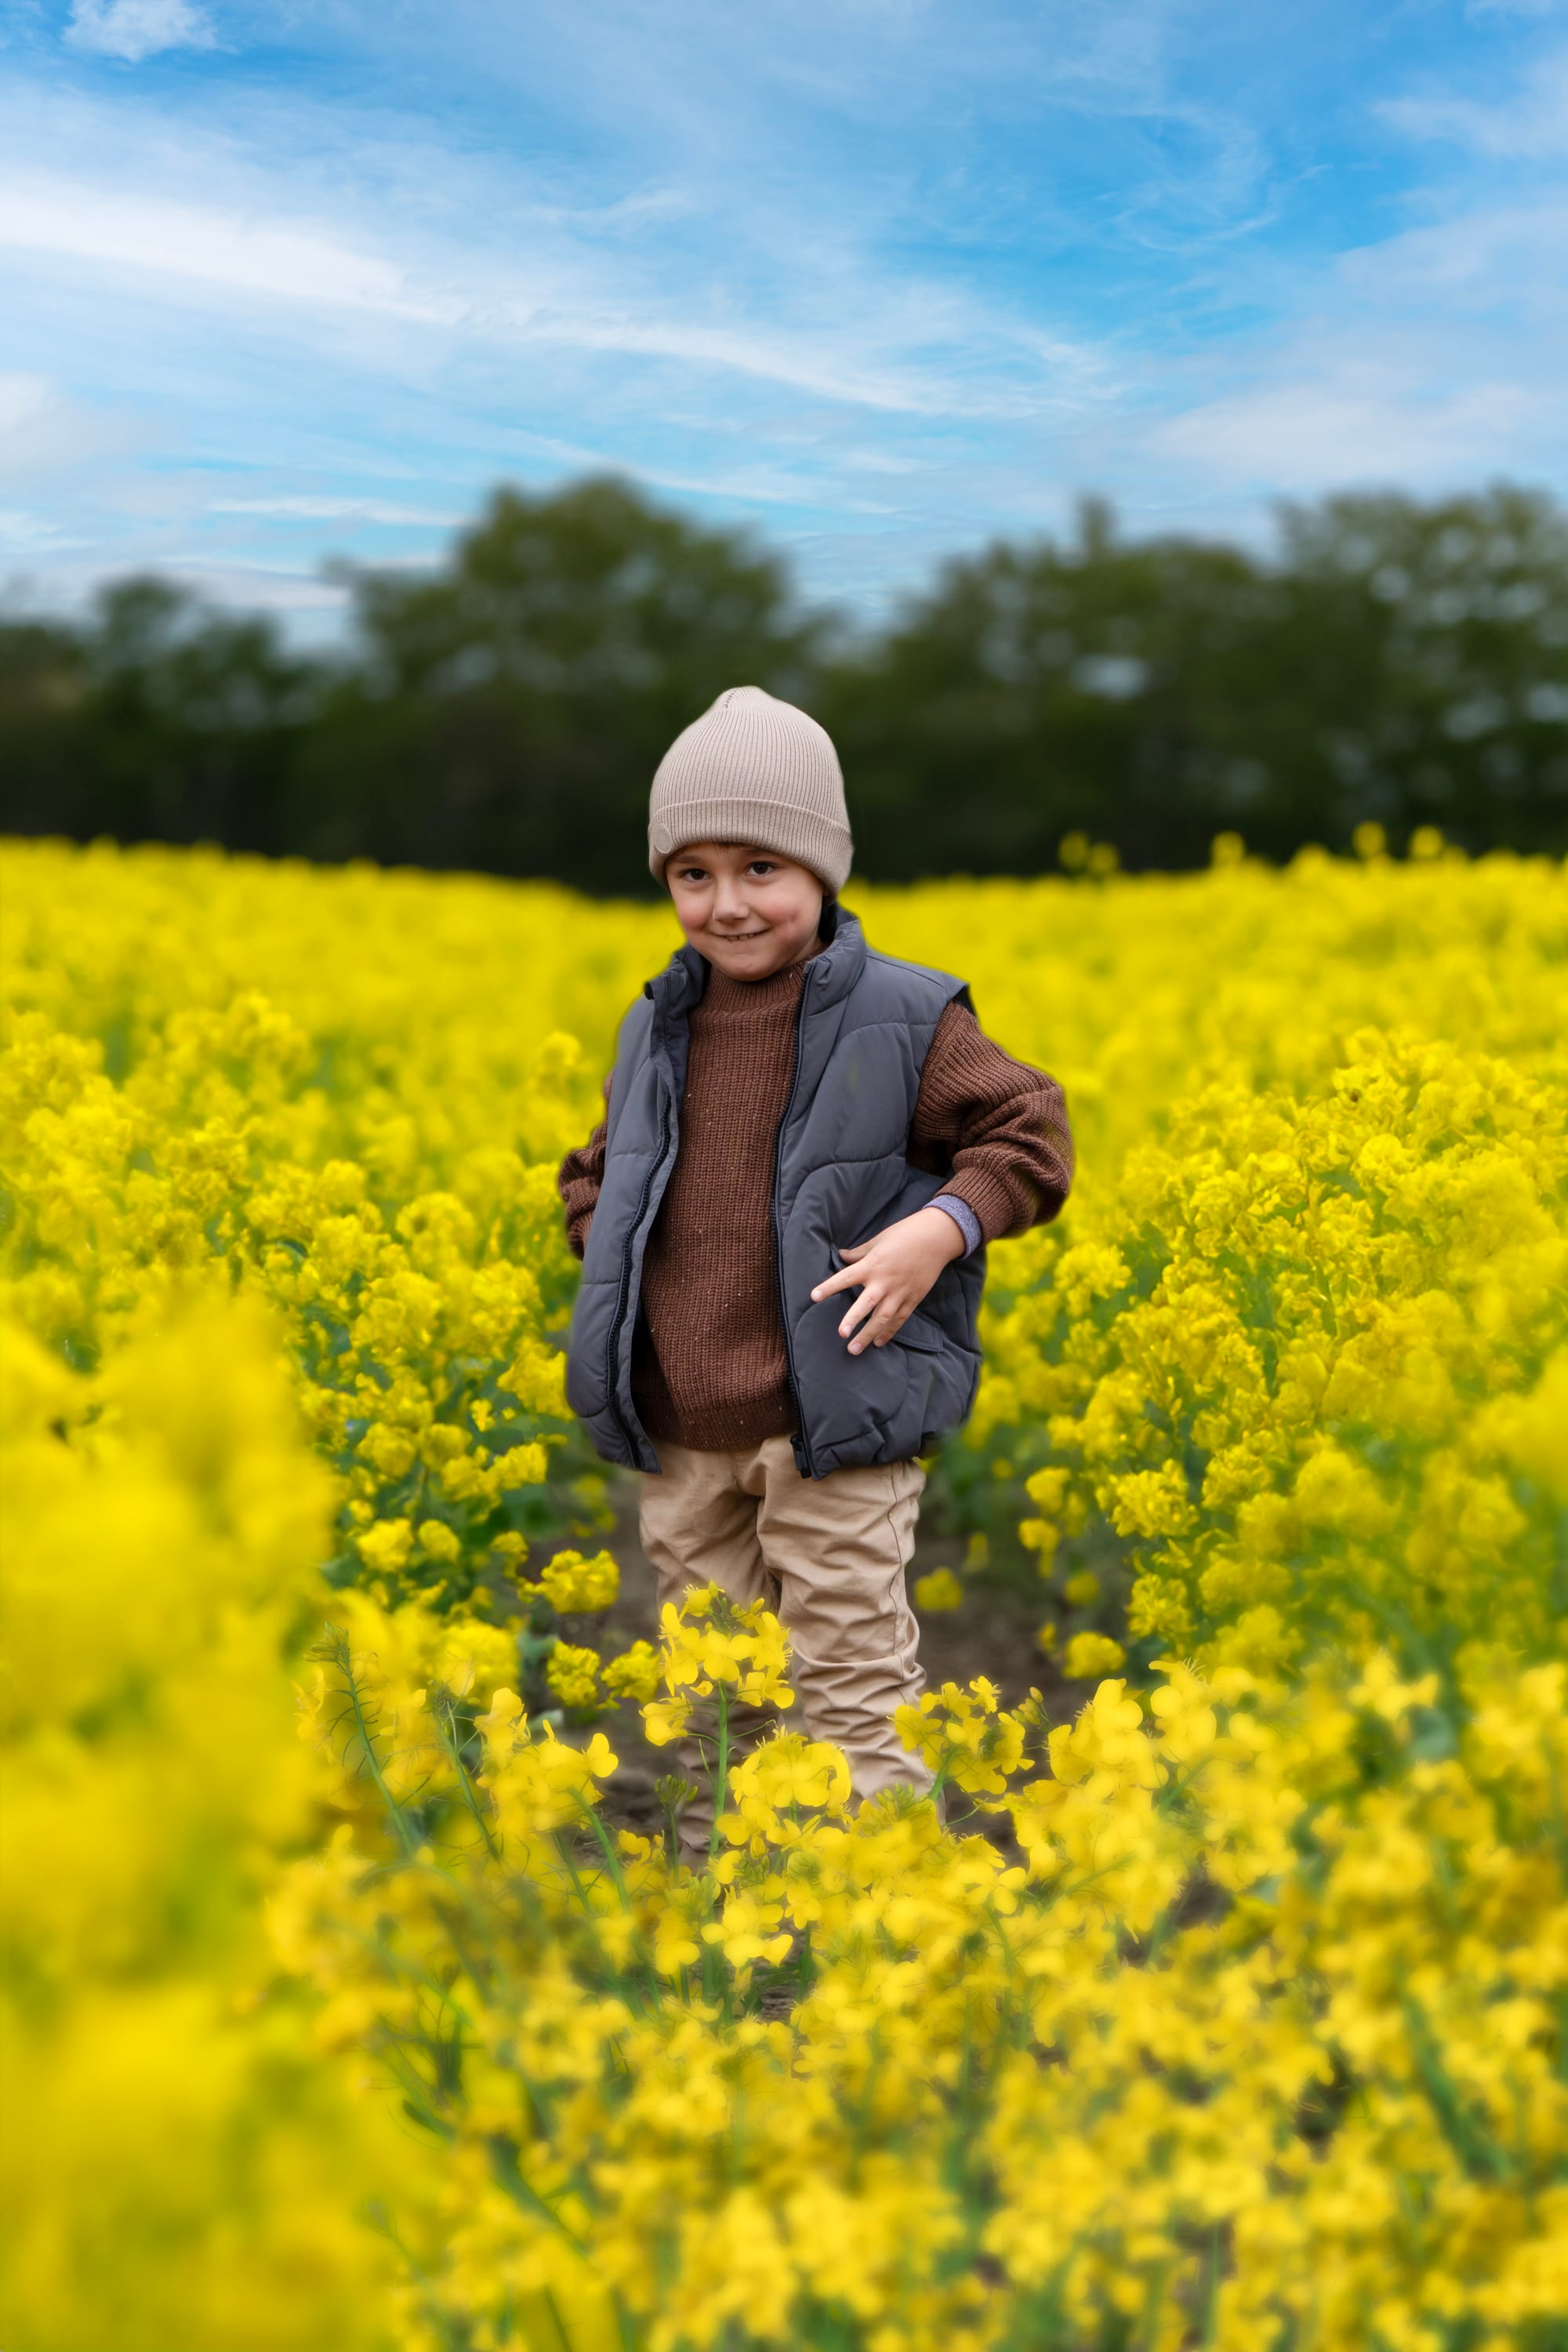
963,1217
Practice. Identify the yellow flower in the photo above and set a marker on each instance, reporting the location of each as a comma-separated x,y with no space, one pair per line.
1089,1655
709,1643
938,1591
773,1789
385,1545
569,1581
635,1674
573,1673
962,1736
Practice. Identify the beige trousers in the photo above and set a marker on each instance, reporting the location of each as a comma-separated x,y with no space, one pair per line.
829,1555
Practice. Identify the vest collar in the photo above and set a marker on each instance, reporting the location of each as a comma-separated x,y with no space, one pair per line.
829,976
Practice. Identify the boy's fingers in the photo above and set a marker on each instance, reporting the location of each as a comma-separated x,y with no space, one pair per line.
857,1249
883,1325
858,1314
845,1281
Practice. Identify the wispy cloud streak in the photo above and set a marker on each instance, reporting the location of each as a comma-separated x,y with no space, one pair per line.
889,276
134,29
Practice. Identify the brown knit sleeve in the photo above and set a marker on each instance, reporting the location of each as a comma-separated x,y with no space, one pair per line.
582,1173
995,1127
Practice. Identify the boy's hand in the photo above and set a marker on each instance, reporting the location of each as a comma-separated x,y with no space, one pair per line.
893,1271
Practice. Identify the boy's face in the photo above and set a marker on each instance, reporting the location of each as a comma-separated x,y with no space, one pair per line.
749,911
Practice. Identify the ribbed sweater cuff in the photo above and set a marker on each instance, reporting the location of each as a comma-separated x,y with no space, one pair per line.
963,1217
988,1198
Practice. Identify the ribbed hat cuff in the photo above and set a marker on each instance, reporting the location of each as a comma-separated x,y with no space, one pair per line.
815,840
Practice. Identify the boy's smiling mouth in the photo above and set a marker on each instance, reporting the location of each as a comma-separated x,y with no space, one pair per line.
731,898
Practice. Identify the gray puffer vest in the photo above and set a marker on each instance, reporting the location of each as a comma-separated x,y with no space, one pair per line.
862,1033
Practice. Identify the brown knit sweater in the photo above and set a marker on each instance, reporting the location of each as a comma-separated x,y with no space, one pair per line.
709,1369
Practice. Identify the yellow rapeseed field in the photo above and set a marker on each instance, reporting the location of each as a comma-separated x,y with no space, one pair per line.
1242,2025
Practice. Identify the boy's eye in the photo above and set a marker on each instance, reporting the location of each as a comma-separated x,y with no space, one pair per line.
762,866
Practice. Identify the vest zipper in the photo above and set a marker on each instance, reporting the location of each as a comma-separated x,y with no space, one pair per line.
637,1444
803,1444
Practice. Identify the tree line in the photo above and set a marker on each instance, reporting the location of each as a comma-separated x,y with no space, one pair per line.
1386,658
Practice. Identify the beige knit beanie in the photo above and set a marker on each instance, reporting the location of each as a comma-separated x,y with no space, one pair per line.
753,769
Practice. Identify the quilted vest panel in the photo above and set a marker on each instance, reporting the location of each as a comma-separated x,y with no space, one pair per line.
863,1027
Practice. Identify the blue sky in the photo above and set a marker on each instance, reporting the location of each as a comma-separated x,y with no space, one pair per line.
882,279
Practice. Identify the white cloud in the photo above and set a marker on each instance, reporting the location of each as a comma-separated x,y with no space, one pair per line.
1349,423
909,346
24,400
884,281
1530,127
19,528
1433,359
1501,262
275,588
1480,9
134,29
287,261
257,587
43,430
305,508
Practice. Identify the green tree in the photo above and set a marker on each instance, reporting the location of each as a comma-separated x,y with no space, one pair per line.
1397,661
1036,691
1415,671
159,718
507,711
1392,659
45,783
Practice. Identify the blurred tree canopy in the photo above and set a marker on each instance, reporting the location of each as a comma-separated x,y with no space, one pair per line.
1390,660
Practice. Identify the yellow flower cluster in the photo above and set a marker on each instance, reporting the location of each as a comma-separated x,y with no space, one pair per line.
1305,1352
1257,2041
1229,2012
180,2167
284,1073
710,1646
569,1581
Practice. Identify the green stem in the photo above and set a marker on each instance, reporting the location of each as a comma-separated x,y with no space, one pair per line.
444,1716
342,1657
722,1781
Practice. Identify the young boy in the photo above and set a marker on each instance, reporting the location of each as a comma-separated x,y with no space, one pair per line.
783,1218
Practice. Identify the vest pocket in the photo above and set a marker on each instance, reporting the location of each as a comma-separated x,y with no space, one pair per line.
920,1332
917,1330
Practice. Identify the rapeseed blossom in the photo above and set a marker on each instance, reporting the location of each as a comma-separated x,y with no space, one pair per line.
1226,2010
1261,2032
181,2166
569,1581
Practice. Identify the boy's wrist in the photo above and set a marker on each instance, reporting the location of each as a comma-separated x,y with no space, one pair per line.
963,1217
